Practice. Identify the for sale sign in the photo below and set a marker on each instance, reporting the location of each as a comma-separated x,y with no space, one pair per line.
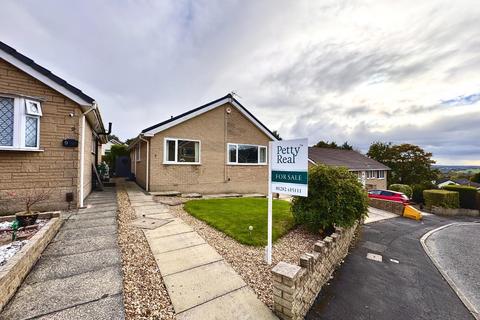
289,167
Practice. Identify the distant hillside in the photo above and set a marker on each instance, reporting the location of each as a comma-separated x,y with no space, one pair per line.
464,169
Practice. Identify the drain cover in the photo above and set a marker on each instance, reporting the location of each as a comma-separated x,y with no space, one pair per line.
149,223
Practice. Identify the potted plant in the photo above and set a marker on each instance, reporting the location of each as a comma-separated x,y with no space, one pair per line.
29,198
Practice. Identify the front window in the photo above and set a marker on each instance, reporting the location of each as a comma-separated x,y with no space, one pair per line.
7,111
19,123
246,154
31,131
182,151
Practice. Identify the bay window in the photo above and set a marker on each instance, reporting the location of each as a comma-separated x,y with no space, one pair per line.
246,154
181,151
19,123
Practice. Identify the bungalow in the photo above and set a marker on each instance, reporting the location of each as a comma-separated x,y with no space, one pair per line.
219,147
462,182
371,173
50,135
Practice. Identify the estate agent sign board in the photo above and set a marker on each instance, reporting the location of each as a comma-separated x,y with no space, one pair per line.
288,174
289,167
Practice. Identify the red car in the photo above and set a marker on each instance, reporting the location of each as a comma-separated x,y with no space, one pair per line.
388,195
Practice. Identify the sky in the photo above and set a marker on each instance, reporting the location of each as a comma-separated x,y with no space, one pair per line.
357,71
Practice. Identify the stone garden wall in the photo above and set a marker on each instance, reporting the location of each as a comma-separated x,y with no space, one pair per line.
390,206
455,211
17,268
296,287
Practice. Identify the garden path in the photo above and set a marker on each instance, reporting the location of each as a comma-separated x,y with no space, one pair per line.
79,275
201,284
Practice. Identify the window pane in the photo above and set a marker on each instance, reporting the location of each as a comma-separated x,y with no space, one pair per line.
247,154
31,126
170,150
263,154
6,121
188,151
232,153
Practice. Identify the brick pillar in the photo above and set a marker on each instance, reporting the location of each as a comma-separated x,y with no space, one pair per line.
284,277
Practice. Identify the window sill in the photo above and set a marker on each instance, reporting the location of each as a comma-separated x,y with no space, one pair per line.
247,164
184,163
21,149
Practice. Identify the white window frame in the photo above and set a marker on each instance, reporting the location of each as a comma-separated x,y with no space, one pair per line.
380,174
19,124
236,163
138,152
375,174
165,151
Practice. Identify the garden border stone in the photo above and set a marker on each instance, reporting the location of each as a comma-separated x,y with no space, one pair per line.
18,267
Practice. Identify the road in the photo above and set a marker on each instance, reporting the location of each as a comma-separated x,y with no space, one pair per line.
455,249
404,285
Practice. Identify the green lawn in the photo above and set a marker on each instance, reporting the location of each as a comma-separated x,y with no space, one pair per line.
233,217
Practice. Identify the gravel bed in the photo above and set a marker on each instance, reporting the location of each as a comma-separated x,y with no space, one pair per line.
144,293
247,260
7,251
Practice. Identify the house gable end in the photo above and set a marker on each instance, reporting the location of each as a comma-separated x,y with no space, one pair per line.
151,131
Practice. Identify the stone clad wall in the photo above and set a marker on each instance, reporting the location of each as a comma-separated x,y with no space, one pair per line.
17,268
296,287
387,205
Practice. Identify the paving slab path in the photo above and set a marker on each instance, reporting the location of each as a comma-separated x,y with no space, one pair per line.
79,275
200,283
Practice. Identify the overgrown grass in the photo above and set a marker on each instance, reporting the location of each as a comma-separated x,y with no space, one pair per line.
234,216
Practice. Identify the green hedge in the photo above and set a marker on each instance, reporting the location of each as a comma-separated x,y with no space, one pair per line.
468,195
403,188
441,198
335,198
417,195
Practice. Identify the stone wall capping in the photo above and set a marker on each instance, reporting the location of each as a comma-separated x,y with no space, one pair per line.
319,246
286,270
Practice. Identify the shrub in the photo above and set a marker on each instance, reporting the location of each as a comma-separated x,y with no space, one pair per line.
467,195
403,188
335,198
417,191
441,198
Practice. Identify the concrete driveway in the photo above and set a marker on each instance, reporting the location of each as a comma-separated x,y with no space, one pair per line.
399,281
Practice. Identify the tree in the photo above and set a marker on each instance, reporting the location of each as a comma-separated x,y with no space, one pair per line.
130,140
115,151
333,145
409,163
276,135
476,177
114,137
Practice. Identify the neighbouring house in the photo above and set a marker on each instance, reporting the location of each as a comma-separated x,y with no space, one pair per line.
219,147
50,135
463,182
371,173
107,146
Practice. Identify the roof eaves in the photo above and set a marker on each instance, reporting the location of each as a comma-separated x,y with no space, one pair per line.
185,114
